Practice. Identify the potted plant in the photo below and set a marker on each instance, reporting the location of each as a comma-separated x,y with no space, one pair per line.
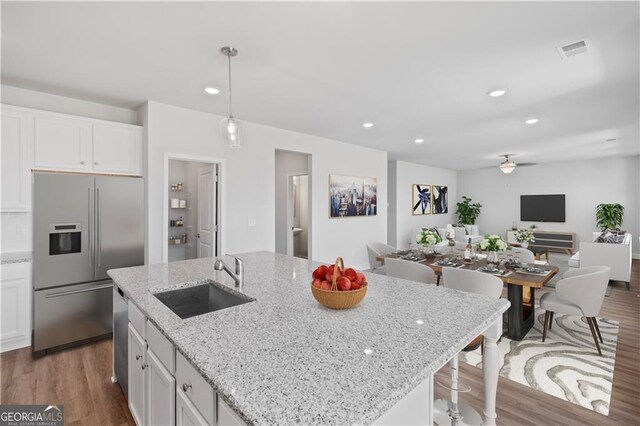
428,239
467,211
609,216
492,244
525,237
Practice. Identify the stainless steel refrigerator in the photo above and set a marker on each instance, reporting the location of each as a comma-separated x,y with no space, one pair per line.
82,226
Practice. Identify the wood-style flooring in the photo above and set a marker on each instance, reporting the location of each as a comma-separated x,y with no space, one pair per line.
80,378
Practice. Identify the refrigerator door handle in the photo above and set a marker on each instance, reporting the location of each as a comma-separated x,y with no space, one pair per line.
91,248
98,227
83,290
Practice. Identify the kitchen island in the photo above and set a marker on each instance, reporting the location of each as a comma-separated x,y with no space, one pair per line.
285,359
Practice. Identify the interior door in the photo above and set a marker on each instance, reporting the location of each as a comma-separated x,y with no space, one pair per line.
119,207
63,236
206,233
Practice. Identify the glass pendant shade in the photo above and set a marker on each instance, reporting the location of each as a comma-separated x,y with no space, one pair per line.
231,131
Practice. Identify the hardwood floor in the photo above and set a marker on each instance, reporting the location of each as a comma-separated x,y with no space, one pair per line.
80,379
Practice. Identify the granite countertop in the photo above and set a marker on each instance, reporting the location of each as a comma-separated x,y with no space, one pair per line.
285,359
15,257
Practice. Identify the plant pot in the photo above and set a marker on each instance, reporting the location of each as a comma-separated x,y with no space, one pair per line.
492,257
524,245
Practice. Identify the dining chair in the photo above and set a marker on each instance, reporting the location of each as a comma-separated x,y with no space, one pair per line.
375,249
524,255
453,411
579,292
407,270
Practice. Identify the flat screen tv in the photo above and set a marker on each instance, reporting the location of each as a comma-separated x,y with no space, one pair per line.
542,208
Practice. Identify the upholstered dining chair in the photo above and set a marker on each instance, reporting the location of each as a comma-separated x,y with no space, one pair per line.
579,292
376,249
455,412
525,255
408,270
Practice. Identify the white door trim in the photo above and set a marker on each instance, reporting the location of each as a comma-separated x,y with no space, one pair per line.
290,212
221,201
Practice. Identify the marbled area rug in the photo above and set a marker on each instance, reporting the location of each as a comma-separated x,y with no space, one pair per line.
566,365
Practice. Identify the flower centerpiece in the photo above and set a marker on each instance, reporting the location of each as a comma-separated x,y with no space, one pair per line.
525,237
428,239
492,244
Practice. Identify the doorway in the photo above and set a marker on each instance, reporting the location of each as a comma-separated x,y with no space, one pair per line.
293,192
192,210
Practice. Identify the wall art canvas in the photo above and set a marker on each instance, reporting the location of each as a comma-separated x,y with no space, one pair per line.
421,199
439,199
352,196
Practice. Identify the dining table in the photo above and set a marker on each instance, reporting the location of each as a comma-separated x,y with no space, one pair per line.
520,316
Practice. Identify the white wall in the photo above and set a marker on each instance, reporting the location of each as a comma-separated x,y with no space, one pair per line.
248,183
286,163
403,225
585,183
16,227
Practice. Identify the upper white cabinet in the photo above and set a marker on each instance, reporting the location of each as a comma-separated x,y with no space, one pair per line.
16,161
62,143
117,149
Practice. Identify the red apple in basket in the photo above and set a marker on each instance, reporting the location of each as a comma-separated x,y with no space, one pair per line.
344,284
320,272
317,283
355,285
360,278
351,274
325,285
330,271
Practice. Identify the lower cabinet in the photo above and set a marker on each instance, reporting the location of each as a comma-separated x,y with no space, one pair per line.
137,382
186,413
161,392
15,306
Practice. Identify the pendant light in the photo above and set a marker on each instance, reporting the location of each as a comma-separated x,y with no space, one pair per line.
230,128
507,166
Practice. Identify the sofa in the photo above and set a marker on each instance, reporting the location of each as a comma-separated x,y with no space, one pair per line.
615,256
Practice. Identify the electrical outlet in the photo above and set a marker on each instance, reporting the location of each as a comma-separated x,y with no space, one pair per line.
252,222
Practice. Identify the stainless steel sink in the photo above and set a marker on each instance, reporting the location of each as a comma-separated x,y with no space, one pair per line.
193,301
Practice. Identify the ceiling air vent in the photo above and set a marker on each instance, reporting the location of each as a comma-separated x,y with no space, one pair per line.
574,49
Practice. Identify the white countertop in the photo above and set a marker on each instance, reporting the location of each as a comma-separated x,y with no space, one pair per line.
285,359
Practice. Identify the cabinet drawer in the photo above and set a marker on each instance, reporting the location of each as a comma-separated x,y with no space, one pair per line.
226,416
198,391
138,320
161,347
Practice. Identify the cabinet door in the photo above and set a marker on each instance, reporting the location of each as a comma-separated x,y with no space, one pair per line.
161,388
62,143
117,149
16,161
186,413
137,382
15,306
226,416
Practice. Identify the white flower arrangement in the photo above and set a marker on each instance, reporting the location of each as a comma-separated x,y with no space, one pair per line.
493,243
428,238
525,236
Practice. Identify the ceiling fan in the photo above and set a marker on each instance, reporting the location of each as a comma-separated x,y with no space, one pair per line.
507,166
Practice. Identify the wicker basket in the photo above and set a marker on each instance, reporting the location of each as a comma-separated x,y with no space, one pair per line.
335,299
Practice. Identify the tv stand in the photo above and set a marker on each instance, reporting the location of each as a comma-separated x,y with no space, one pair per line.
560,241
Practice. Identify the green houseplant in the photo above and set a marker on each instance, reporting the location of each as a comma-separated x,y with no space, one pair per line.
609,216
467,211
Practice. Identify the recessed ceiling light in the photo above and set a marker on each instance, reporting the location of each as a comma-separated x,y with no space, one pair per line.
212,90
497,93
367,125
419,140
531,120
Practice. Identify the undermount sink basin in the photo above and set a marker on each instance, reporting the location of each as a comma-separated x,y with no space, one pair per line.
201,299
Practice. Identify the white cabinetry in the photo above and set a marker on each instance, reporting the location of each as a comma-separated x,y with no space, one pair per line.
160,392
15,306
117,149
186,413
62,143
16,161
226,416
137,382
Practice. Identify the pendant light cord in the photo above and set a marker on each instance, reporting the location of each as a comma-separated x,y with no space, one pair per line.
230,95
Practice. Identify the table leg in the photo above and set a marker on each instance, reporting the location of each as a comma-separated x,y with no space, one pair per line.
518,324
490,370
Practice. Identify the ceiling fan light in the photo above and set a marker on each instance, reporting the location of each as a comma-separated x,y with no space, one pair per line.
507,166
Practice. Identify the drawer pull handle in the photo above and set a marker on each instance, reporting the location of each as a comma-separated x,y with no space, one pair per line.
186,386
144,366
138,357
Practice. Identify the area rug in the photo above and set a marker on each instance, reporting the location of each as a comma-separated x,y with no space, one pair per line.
566,365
